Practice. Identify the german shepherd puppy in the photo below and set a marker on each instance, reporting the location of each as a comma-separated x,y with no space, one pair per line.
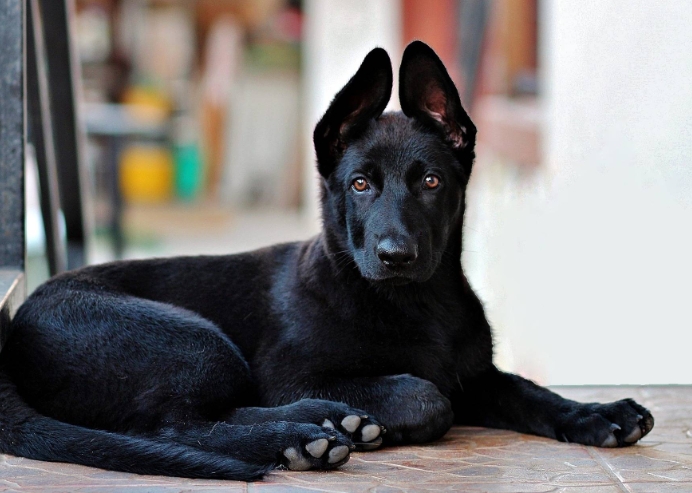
296,354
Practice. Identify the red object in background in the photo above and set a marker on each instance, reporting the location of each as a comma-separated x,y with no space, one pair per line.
435,23
289,24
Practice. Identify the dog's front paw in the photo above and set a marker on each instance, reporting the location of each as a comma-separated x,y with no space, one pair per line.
414,411
364,430
316,448
616,424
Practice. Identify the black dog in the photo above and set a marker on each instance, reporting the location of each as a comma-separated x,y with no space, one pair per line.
152,366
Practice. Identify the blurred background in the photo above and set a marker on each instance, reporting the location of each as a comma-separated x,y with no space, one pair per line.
578,235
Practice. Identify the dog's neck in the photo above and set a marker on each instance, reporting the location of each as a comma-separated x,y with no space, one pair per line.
331,258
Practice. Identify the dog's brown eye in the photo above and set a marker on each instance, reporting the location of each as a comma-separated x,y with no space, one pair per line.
431,181
360,184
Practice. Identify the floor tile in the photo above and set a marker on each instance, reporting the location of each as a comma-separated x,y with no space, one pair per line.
661,487
467,459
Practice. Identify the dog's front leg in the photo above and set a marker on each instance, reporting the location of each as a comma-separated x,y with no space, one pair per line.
503,400
411,409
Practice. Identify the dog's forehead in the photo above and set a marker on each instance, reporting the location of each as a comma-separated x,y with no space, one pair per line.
395,139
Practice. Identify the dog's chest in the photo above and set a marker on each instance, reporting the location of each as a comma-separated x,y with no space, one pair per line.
386,342
339,331
416,347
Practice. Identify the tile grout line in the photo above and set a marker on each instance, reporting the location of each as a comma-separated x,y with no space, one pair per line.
608,469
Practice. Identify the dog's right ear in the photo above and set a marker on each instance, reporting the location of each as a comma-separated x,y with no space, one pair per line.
364,98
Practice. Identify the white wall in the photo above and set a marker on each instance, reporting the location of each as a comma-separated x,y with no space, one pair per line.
338,34
586,265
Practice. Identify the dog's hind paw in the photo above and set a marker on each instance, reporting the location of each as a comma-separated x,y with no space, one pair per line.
337,454
319,448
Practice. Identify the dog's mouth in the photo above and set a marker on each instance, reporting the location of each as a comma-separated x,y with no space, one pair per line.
381,275
393,281
378,273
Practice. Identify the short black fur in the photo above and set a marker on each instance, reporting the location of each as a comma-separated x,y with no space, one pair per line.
293,355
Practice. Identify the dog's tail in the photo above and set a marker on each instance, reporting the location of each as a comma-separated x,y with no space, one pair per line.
26,433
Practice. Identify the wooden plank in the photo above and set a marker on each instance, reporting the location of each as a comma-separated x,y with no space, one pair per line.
12,294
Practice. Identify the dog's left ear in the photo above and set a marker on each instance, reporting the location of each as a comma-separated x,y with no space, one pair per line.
427,93
361,100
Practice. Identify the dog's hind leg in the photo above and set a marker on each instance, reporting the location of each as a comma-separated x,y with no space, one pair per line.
297,446
149,369
354,423
26,433
122,363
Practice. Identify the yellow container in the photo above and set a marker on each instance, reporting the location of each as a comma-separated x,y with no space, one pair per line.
147,104
146,174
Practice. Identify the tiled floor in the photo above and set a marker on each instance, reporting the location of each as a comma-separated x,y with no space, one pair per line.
466,459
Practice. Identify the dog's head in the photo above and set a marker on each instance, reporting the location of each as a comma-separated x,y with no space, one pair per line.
393,183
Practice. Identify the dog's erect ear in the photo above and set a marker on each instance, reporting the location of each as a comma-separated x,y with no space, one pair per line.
427,93
364,98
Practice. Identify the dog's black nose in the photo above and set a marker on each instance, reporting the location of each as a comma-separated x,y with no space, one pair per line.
396,253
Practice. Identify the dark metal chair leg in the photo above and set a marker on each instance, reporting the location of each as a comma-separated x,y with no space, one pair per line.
41,136
474,16
115,145
63,73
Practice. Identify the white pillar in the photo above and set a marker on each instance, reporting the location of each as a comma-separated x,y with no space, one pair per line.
337,36
591,253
